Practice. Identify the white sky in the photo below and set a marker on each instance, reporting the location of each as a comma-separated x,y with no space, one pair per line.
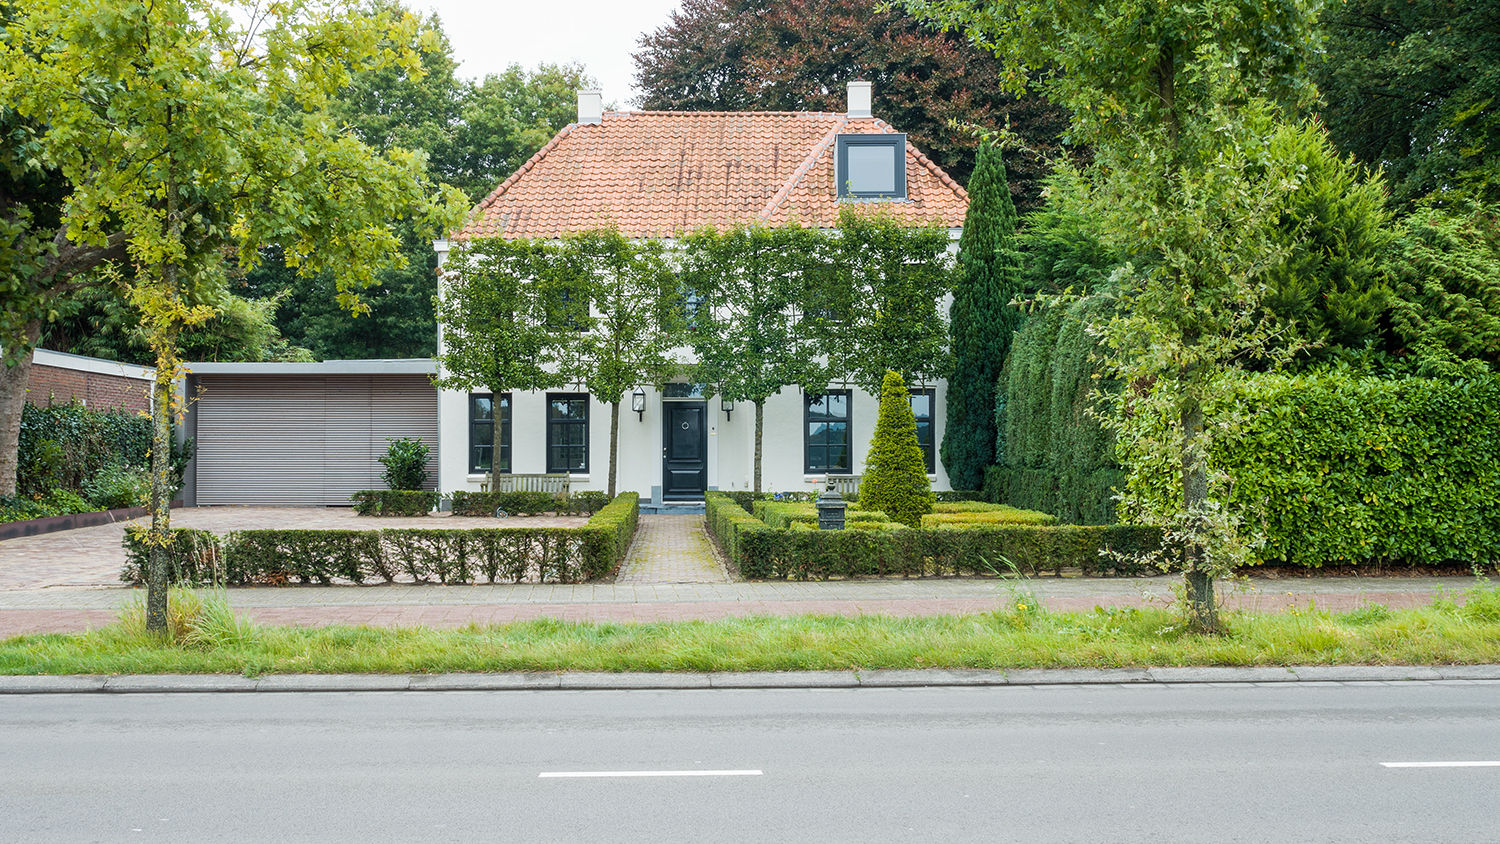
489,36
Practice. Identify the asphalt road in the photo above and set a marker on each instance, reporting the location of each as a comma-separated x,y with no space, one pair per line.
1283,762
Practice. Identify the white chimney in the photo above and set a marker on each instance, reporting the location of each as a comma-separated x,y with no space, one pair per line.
590,106
859,98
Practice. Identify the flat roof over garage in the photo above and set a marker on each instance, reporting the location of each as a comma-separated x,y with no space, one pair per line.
388,366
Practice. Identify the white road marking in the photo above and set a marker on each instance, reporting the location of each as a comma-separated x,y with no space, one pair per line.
1440,764
593,774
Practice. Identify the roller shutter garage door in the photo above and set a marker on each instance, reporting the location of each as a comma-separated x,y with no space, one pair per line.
305,440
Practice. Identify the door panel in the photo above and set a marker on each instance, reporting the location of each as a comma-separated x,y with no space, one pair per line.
684,439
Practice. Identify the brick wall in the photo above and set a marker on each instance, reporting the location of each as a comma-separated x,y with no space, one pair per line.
55,385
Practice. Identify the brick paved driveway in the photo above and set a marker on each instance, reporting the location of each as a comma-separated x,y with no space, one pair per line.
672,549
93,556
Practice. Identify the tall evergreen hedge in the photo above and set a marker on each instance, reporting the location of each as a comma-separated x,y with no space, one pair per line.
981,321
1055,456
895,479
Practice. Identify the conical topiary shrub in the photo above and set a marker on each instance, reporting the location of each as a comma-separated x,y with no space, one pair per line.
895,478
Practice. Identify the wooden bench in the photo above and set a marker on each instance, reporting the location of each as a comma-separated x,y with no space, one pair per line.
556,484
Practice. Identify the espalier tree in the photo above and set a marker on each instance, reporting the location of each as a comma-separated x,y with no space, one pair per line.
895,478
1175,100
498,332
747,329
192,130
981,321
626,304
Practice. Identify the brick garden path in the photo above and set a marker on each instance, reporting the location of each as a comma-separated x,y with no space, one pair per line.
672,549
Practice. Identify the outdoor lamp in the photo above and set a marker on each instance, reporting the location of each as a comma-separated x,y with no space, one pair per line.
638,403
727,406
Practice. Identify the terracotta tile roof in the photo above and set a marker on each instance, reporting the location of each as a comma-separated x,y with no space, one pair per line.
656,173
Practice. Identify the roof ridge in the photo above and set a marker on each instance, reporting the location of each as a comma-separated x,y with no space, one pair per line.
478,210
701,113
802,170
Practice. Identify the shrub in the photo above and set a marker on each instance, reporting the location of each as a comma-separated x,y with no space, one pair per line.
1336,469
425,555
395,502
194,557
117,486
62,446
983,518
405,464
798,552
467,503
895,479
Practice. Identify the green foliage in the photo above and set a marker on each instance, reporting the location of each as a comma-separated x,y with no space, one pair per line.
393,502
116,486
785,514
895,479
1334,469
405,462
195,557
1000,515
880,309
1062,249
422,555
981,321
1446,266
1056,456
1409,87
68,446
1334,230
583,502
761,551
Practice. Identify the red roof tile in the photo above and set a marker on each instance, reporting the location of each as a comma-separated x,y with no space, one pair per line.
657,173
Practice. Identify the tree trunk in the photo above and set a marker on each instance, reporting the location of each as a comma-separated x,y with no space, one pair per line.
13,380
614,443
161,470
1203,614
760,424
497,436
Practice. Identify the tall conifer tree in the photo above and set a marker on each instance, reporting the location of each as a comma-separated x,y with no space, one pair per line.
981,321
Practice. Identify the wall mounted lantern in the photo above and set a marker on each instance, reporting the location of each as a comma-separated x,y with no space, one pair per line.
638,403
728,407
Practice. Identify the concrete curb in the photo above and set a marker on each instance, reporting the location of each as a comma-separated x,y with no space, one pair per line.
896,678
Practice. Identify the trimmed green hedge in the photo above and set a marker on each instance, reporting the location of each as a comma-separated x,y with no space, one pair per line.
195,557
425,555
395,502
763,552
1341,470
527,503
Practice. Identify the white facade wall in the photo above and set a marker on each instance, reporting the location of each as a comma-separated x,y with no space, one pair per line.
731,442
731,437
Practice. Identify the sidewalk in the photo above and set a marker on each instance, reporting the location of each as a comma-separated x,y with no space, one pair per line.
74,609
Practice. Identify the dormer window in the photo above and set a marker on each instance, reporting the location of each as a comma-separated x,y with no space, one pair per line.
871,166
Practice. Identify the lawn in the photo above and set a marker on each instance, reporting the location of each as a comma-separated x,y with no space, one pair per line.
207,638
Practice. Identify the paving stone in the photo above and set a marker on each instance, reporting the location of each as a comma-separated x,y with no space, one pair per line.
180,683
484,682
1221,674
672,549
784,679
1355,673
50,684
1085,676
631,680
334,683
931,677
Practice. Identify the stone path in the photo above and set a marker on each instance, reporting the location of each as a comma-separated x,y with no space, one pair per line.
672,549
403,605
93,556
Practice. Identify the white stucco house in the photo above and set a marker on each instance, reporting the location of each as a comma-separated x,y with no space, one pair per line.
651,175
313,433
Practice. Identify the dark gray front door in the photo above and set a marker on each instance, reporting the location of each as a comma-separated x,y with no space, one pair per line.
684,449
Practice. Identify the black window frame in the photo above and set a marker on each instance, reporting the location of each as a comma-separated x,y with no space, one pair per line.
554,425
808,400
476,444
841,158
929,448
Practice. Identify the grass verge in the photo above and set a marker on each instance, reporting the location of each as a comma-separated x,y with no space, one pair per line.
207,638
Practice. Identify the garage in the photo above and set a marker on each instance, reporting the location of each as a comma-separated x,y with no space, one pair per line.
302,434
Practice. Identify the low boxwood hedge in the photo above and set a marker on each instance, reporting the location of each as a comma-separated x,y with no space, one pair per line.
764,552
423,555
527,503
395,502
